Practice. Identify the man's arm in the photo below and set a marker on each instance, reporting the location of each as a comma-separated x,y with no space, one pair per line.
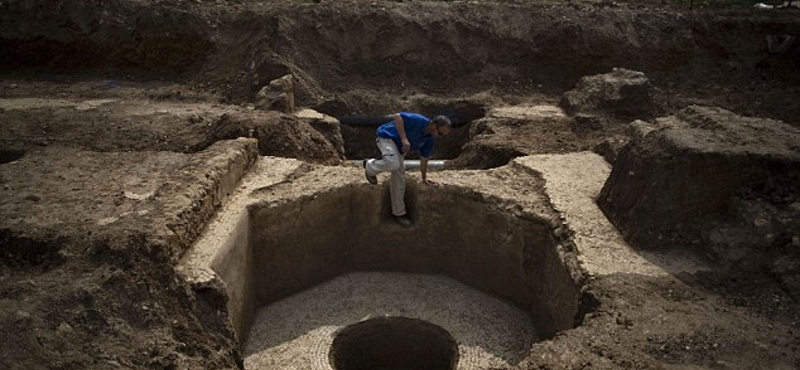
423,168
401,130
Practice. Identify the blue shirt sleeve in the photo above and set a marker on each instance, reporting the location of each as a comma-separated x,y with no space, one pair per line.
426,149
414,121
415,125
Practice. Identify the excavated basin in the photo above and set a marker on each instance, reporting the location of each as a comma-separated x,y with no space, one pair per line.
301,272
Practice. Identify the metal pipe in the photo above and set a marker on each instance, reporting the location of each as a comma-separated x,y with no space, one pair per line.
412,164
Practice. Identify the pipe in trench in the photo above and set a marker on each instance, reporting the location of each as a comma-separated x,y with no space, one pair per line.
412,164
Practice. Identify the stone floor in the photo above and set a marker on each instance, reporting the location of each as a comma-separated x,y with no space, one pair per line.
297,332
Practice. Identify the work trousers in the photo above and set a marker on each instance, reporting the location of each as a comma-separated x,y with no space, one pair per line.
391,161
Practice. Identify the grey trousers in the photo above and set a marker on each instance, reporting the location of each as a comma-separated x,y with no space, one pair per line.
391,161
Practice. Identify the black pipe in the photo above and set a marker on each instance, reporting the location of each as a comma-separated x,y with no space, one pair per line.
364,120
375,121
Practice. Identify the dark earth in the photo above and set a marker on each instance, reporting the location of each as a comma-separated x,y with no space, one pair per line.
117,121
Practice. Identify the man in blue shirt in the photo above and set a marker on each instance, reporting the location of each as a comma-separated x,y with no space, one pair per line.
406,132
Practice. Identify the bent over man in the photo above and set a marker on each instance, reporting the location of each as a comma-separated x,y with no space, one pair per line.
406,132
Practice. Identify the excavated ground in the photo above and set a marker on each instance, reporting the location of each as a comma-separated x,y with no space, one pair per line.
127,126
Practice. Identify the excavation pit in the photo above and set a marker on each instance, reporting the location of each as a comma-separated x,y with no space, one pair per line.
110,300
301,260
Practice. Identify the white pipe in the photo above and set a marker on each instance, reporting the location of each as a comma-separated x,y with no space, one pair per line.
412,164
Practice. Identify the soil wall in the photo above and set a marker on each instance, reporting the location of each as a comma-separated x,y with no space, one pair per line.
403,48
300,244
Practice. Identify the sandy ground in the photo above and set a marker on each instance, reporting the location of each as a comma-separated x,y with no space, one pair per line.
572,182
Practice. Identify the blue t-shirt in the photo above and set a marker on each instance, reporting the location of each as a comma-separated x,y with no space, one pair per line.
415,132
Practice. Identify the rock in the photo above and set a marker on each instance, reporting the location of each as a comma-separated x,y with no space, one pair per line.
278,95
610,147
584,123
22,316
713,181
326,125
638,129
195,118
279,135
64,328
622,93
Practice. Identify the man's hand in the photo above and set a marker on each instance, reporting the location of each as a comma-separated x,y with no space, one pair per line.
423,168
401,130
406,147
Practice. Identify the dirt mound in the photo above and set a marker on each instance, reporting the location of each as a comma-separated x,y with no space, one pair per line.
716,182
88,241
144,125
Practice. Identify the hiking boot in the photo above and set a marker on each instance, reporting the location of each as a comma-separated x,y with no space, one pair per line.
403,221
372,179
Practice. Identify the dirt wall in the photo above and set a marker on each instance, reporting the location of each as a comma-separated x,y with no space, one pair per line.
300,244
405,48
123,35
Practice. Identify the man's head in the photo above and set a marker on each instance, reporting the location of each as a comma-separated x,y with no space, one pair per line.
440,126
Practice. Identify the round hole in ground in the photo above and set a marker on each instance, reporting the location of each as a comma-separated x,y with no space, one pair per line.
396,343
8,156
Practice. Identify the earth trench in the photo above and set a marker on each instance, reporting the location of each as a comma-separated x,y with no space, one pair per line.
130,128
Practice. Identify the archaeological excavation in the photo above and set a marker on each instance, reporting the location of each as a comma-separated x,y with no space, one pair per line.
183,185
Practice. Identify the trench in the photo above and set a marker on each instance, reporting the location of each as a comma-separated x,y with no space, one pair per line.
302,275
358,132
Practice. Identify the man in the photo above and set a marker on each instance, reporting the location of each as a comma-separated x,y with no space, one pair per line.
406,132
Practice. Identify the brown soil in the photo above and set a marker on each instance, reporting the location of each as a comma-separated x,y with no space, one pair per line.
114,154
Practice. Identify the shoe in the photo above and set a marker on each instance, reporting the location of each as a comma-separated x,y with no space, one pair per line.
403,221
370,178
